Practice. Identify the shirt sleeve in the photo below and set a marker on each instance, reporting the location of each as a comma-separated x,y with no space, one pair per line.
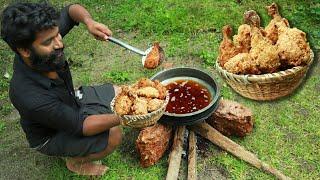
55,114
66,23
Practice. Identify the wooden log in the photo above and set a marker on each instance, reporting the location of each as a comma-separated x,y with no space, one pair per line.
175,155
152,142
231,118
227,144
192,156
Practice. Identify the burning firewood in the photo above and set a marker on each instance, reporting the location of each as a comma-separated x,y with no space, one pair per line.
152,142
232,118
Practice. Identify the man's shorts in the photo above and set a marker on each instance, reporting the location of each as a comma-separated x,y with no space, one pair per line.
96,100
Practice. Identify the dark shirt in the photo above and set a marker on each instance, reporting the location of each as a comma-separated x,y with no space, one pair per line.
46,106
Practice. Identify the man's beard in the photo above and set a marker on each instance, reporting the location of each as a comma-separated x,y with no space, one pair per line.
54,61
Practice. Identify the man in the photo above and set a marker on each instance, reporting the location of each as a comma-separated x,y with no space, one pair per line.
56,122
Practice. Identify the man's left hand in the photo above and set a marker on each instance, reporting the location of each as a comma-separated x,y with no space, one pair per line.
98,30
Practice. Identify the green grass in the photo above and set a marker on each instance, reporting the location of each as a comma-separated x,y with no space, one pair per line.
286,133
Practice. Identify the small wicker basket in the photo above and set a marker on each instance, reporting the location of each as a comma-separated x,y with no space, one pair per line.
266,86
141,121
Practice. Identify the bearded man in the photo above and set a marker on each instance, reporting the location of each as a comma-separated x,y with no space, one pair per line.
56,120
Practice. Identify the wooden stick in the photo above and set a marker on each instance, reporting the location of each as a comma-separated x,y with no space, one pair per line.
225,143
192,156
175,155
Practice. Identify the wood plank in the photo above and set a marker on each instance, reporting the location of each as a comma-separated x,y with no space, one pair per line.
192,156
227,144
175,154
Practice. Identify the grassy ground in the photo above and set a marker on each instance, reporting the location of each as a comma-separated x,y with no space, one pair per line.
286,133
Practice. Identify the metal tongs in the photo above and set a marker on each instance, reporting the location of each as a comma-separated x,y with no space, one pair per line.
144,54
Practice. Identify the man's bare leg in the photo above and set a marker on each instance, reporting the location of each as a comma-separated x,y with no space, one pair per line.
86,166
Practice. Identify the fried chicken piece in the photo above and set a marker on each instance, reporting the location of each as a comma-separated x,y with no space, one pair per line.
144,82
243,39
154,104
138,98
154,57
227,49
293,48
129,91
263,52
123,104
272,29
149,92
140,106
291,43
242,64
162,89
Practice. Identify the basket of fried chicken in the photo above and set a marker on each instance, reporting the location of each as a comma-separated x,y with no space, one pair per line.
141,104
264,63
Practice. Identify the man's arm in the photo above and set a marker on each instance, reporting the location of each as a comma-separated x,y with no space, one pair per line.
95,124
80,14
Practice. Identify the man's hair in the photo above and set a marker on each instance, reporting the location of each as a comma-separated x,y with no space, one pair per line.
21,21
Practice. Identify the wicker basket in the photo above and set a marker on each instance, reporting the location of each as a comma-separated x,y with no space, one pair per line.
141,121
266,86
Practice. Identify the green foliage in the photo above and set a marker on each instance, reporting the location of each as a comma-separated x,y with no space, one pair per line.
2,126
6,109
315,12
117,76
4,84
208,57
6,106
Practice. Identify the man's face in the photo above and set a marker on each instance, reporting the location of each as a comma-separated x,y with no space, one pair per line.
46,53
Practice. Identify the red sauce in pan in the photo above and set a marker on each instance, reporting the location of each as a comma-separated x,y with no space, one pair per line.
187,96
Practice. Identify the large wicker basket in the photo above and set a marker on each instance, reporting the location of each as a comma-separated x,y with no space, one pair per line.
141,121
266,86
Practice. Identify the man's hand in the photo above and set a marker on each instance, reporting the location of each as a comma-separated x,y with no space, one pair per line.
80,14
98,30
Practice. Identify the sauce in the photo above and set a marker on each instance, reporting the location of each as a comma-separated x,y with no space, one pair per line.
187,96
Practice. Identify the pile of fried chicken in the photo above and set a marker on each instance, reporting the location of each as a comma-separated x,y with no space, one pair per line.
141,98
255,50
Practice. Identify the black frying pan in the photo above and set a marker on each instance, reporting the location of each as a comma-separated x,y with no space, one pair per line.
201,77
